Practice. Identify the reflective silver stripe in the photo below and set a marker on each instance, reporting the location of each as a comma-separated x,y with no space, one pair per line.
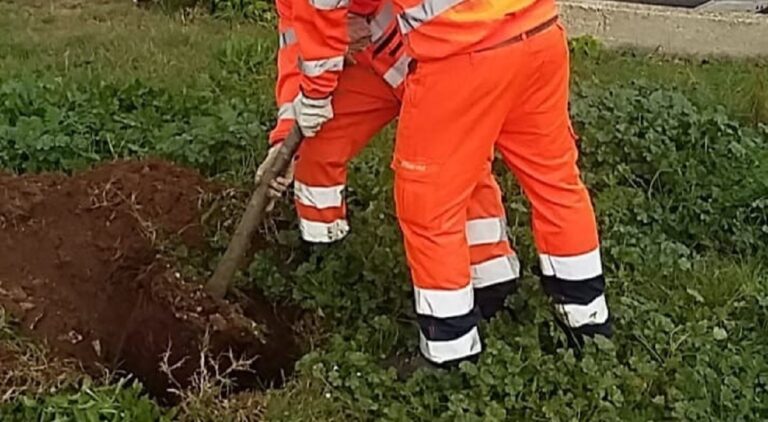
444,303
319,232
320,197
443,351
495,271
381,21
286,112
574,268
579,315
481,231
395,75
329,4
313,68
287,37
416,16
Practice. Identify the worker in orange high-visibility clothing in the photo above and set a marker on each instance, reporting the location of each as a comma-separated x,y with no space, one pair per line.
490,75
346,102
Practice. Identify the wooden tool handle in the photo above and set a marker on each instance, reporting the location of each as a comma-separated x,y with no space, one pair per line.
254,213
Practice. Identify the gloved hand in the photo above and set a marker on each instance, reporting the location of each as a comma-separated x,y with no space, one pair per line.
279,185
359,35
312,113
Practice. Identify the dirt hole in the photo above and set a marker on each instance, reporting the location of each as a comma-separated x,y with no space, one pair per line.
80,269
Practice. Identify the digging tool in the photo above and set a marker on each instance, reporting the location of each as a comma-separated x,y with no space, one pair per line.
254,213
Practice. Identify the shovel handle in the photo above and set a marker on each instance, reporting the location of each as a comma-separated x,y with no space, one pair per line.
254,214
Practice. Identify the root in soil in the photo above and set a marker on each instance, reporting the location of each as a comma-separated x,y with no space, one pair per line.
80,269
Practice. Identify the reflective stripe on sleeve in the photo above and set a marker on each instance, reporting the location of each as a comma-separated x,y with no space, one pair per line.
329,4
314,68
286,112
381,21
396,74
287,37
416,16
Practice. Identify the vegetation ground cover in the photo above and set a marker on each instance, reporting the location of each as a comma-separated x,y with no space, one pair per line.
675,151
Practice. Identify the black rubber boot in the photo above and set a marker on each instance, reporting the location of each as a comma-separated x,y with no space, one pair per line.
406,366
576,336
591,288
491,299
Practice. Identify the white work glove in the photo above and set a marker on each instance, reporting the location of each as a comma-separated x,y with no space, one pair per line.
280,184
312,113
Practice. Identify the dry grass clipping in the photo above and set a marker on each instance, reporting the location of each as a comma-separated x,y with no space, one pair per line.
27,369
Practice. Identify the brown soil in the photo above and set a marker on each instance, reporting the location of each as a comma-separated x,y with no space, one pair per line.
80,269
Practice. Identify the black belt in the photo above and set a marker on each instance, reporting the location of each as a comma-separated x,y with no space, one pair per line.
525,35
517,38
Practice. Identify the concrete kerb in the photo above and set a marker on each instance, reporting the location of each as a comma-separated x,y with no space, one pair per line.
675,31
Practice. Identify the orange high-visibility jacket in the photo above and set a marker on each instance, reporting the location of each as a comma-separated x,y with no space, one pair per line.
314,64
440,28
313,41
321,25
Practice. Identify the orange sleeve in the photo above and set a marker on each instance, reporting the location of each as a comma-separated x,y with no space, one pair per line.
364,7
288,75
321,29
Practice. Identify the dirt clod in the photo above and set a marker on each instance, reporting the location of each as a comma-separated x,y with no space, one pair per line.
80,269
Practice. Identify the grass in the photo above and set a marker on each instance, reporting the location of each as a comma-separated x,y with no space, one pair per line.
740,86
109,39
89,40
672,148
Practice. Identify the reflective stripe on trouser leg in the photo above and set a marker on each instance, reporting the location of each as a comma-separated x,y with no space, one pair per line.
321,212
577,286
495,267
363,104
323,232
494,280
539,146
495,270
448,324
441,154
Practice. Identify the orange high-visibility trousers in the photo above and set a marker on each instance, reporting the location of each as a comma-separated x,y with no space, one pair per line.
363,104
513,98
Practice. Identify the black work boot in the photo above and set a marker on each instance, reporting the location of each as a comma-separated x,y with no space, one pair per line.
576,292
406,366
576,336
491,299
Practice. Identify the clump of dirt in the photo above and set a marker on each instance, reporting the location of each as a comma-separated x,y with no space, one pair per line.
80,269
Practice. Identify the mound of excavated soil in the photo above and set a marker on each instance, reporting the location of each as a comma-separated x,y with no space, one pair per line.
79,268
